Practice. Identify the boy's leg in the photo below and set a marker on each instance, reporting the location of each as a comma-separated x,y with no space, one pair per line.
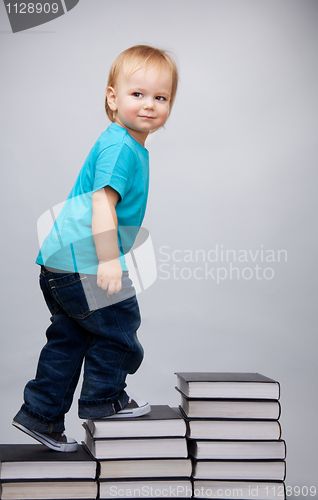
114,349
49,396
112,354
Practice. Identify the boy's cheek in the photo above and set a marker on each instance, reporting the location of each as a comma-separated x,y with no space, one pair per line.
130,113
165,115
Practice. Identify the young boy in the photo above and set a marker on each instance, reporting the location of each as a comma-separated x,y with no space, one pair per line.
86,246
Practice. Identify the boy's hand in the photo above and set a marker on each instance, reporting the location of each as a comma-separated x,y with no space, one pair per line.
109,276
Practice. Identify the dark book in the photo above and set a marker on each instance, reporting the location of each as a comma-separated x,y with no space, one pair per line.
233,429
50,490
237,450
230,408
253,490
162,421
227,385
151,488
145,468
126,448
260,470
35,461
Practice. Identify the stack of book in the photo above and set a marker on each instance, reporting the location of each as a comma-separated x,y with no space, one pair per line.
29,471
234,436
141,457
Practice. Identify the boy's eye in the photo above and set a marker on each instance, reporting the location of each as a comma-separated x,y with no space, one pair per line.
137,94
160,98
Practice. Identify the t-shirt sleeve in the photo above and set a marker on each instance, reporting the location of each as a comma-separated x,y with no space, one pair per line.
114,168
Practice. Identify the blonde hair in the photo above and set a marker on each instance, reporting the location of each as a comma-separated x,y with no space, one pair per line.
141,56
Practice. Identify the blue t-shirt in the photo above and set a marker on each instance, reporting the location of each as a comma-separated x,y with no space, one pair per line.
116,160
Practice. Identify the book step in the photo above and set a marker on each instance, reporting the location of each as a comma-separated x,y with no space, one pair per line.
207,385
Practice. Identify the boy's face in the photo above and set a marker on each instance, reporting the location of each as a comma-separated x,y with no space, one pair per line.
141,101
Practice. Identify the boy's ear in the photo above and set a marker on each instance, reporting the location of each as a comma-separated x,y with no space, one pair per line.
111,98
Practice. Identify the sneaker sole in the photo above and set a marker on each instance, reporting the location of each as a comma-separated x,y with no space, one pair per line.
132,412
50,443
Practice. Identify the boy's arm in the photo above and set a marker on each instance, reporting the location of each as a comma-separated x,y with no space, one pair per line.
104,228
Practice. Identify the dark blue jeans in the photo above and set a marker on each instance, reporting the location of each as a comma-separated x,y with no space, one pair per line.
86,325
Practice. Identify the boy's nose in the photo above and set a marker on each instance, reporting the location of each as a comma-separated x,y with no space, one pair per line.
148,104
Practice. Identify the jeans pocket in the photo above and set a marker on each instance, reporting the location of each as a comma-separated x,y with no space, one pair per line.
69,292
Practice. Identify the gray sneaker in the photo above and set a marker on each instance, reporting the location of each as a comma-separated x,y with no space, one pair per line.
56,440
135,408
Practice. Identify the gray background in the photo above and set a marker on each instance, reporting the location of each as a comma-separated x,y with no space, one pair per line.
235,166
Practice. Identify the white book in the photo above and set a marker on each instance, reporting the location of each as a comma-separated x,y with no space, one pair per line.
49,490
227,385
163,467
146,489
238,450
162,421
231,409
233,429
237,470
137,448
231,489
